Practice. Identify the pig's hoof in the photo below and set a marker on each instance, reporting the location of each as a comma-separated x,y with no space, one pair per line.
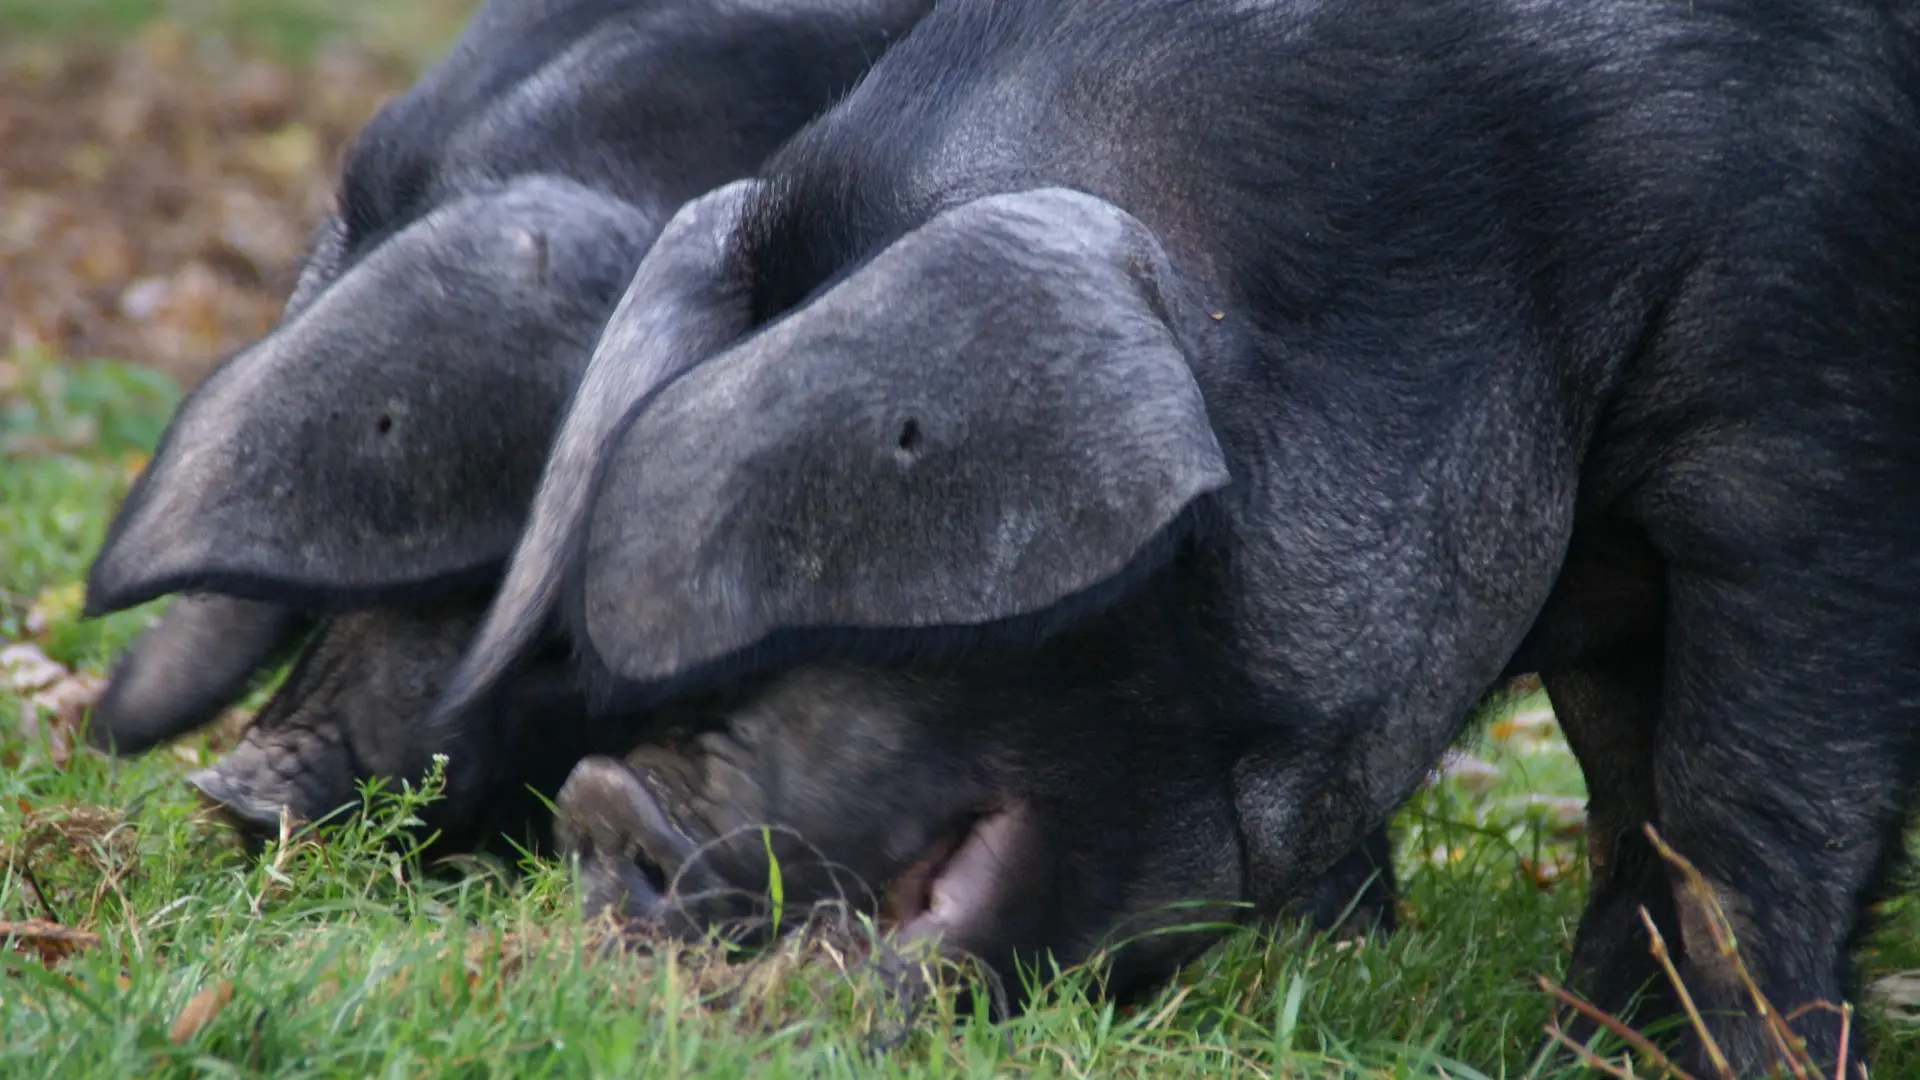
612,829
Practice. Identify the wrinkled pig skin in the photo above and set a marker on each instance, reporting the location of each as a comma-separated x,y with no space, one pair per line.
350,711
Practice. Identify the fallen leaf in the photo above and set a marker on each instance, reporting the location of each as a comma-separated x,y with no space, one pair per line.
121,166
286,154
58,711
1564,816
24,669
1535,724
52,941
1547,873
262,94
56,604
256,229
1468,771
1901,991
199,1011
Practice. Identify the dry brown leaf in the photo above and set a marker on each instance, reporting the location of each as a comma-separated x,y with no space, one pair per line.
155,197
199,1011
52,941
61,708
57,603
1565,816
57,698
24,669
1900,992
1547,873
1468,771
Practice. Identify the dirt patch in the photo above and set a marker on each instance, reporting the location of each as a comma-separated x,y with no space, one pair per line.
157,195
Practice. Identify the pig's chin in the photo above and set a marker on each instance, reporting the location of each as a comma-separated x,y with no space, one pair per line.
952,893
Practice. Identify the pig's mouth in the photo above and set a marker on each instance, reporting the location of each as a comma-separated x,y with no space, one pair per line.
635,860
953,890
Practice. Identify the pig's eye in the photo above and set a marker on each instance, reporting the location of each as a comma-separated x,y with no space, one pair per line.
384,424
910,436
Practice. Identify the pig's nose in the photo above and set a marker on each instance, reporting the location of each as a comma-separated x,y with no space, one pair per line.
255,819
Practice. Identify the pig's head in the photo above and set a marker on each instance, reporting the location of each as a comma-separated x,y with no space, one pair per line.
1011,807
380,446
909,565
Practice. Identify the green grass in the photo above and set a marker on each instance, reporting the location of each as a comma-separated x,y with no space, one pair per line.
344,960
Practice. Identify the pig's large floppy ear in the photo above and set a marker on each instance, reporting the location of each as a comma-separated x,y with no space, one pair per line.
388,435
186,667
992,418
687,301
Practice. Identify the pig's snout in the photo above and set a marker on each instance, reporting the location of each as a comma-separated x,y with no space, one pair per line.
251,814
301,771
625,848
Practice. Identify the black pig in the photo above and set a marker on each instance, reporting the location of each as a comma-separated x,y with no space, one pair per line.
334,475
379,447
381,444
1388,347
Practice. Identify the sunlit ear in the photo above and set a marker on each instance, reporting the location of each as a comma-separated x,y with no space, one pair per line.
186,668
990,419
388,435
687,300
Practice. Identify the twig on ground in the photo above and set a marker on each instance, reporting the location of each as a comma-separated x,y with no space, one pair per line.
1657,945
1791,1051
1791,1047
1620,1030
46,902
